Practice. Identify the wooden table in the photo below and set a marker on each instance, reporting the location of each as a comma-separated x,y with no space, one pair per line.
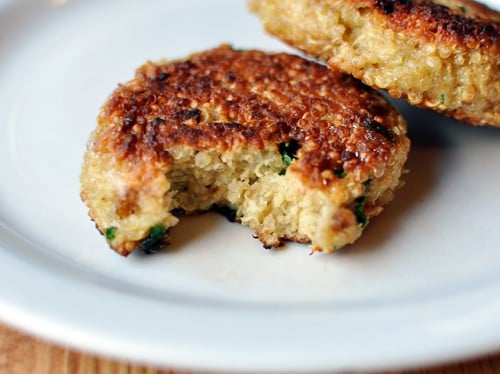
22,354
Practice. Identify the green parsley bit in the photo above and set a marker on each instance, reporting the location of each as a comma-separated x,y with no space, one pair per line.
367,183
341,173
441,99
288,153
110,232
359,211
287,160
153,242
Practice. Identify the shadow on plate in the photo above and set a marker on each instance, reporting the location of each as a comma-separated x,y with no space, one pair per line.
189,229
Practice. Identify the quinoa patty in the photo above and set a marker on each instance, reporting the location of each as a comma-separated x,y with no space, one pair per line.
293,149
442,55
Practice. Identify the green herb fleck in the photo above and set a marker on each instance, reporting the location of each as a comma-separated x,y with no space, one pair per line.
287,160
441,99
463,9
288,153
367,183
359,211
110,232
341,173
154,240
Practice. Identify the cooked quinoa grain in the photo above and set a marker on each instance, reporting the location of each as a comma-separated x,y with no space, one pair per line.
288,147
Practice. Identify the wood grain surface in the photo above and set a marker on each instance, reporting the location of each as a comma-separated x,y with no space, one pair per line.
23,354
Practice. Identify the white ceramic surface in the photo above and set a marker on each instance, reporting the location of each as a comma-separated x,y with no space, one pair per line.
421,286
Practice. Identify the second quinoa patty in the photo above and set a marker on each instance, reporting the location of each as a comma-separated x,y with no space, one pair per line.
442,55
289,147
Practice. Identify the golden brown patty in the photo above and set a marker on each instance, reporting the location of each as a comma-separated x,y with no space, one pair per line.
443,55
289,147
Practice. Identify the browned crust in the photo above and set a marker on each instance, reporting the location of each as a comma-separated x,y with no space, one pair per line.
226,99
467,23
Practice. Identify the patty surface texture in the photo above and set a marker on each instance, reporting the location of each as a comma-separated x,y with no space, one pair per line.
286,146
441,55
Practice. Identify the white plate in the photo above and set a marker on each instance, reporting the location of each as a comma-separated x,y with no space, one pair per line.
421,286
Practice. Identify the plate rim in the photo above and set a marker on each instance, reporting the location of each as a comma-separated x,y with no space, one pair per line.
105,335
